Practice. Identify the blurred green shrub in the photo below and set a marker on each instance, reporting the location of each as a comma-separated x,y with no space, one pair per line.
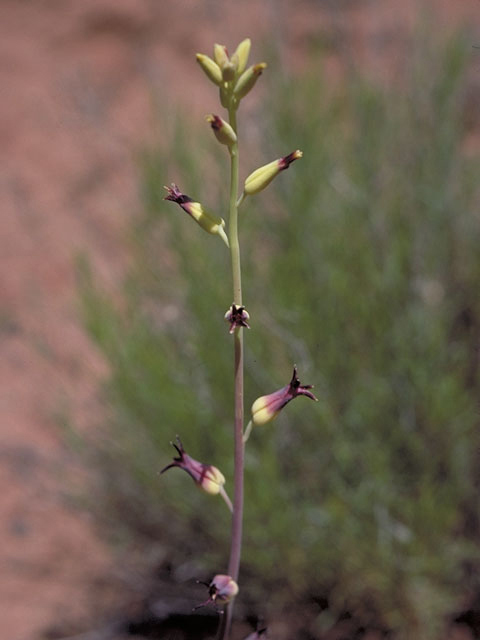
361,265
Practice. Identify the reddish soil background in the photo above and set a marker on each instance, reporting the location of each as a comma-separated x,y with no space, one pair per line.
81,80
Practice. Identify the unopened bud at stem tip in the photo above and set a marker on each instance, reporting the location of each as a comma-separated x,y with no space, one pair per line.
241,55
220,54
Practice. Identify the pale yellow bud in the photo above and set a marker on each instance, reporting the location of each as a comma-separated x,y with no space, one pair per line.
247,80
211,68
240,57
222,130
261,177
208,221
212,480
228,71
226,65
220,55
262,412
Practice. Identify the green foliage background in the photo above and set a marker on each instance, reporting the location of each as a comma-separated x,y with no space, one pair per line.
361,265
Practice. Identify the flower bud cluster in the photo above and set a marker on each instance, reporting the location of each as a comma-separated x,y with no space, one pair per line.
230,73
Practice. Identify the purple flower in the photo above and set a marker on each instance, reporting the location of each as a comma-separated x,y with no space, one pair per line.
266,408
220,590
206,476
237,317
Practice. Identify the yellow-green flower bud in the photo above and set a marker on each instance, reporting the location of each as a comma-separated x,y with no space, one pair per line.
247,80
227,67
240,57
228,71
220,55
261,177
211,68
208,221
222,130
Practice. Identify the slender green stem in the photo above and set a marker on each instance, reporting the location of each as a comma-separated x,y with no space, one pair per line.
233,216
237,518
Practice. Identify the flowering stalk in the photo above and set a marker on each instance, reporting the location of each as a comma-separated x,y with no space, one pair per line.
234,81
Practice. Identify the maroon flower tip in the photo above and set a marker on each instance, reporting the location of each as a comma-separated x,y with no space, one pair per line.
175,195
215,122
237,317
298,389
286,161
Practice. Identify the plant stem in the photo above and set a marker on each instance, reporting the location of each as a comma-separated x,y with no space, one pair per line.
237,518
233,216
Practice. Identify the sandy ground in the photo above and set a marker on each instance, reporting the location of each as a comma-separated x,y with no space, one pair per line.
79,80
